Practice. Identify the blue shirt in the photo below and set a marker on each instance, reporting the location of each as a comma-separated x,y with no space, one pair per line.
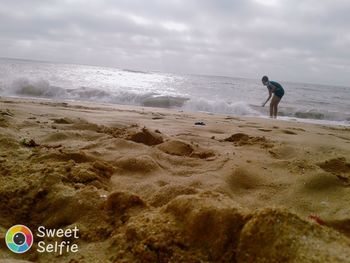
276,88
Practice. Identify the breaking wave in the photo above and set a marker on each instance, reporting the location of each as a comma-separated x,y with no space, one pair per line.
24,87
221,107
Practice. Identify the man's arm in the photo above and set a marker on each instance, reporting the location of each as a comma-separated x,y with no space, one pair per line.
270,95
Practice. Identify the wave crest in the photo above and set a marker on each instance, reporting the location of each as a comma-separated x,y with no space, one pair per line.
221,107
36,88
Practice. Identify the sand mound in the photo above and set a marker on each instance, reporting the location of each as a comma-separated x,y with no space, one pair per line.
176,147
213,226
8,143
84,126
118,132
240,139
203,154
237,137
47,198
94,173
67,155
62,121
118,203
146,137
151,237
3,122
53,188
241,179
279,236
65,205
322,182
143,164
57,136
4,118
343,226
167,193
181,148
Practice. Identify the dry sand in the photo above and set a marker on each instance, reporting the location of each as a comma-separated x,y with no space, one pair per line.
147,185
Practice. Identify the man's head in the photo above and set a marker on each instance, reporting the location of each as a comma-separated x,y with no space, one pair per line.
265,80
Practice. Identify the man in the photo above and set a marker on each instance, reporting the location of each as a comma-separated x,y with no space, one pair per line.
277,90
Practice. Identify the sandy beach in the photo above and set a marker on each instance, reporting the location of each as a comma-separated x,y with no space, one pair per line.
148,185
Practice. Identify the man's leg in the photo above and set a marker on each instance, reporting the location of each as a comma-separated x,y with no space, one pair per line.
274,105
271,109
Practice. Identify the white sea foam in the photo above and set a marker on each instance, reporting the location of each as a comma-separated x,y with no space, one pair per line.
220,95
221,107
35,88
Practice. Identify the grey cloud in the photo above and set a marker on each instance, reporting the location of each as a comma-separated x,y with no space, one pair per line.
237,38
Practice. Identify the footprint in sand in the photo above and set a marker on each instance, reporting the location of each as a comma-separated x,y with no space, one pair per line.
339,167
248,126
295,129
232,118
283,152
6,113
264,130
62,121
340,137
321,183
284,131
289,132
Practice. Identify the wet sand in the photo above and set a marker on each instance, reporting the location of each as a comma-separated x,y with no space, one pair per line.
148,185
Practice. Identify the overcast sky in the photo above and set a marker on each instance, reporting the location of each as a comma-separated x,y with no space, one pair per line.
295,40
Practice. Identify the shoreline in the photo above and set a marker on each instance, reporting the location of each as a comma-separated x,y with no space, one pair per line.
150,184
265,116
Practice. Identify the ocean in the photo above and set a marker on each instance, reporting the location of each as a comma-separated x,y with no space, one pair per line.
213,94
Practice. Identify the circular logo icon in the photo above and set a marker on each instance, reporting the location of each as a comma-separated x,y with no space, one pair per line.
19,239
